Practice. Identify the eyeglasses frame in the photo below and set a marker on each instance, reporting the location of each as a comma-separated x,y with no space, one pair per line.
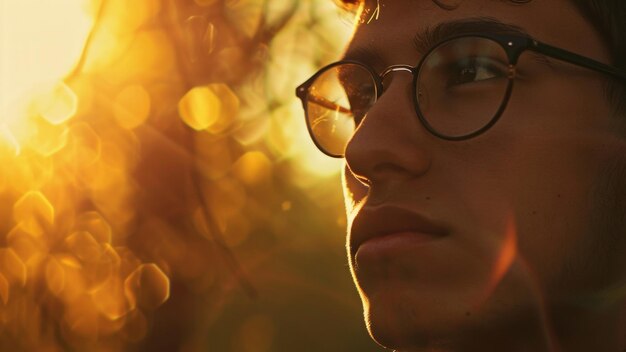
514,45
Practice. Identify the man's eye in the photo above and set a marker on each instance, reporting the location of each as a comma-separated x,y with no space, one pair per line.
474,70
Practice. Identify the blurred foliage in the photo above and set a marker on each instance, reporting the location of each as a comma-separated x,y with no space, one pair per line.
159,190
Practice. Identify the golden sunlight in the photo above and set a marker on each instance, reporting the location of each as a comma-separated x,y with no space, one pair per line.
40,42
140,184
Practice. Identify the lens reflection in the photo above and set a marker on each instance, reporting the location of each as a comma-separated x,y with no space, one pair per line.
337,101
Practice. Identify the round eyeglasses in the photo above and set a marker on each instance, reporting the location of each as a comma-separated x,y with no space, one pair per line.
460,88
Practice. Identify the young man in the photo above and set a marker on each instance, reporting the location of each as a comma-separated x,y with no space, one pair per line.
485,176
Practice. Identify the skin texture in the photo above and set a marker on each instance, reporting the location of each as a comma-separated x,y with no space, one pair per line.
547,178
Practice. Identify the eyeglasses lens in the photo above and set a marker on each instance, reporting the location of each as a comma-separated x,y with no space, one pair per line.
461,86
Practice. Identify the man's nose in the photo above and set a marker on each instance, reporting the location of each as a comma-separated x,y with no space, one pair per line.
390,143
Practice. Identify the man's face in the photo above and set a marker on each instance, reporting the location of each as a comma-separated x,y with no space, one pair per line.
498,235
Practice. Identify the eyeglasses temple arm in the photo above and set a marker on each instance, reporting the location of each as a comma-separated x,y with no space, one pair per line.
578,60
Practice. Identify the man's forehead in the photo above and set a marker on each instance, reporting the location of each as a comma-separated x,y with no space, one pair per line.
374,10
428,37
373,5
395,24
413,26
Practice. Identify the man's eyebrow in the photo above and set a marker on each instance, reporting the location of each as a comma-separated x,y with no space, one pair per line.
428,37
431,36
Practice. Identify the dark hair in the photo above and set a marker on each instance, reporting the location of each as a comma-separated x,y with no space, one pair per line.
608,17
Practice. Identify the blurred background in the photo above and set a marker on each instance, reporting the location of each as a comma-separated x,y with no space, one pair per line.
158,188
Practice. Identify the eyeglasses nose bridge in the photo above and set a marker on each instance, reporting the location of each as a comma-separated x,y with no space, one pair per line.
396,68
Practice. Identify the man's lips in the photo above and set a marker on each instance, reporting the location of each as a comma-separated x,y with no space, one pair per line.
390,225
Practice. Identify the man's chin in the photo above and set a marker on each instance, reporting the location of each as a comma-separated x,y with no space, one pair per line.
413,319
407,322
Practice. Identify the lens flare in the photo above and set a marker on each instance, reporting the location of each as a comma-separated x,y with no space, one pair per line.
506,255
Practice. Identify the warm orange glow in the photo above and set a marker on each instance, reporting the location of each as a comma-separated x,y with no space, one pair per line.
130,165
506,255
